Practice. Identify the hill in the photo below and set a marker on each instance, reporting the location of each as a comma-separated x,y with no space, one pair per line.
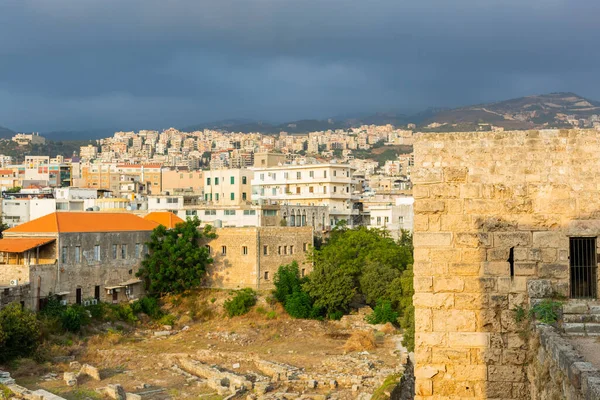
553,110
6,133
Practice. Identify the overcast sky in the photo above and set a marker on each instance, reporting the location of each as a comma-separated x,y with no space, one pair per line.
135,64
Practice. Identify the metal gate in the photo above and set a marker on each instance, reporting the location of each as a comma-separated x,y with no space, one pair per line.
584,267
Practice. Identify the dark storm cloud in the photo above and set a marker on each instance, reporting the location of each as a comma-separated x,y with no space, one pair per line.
67,64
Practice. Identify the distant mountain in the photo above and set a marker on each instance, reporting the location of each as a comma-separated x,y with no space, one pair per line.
91,134
552,110
6,133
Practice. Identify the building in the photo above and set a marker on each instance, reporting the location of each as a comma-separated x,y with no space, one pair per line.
330,185
394,217
89,152
249,257
182,179
267,160
77,256
166,219
501,223
228,187
75,199
19,210
23,139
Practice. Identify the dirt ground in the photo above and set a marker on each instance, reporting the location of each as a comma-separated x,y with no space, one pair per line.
589,347
144,363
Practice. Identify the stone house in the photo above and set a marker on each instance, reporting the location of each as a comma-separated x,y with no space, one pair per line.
502,220
76,255
249,257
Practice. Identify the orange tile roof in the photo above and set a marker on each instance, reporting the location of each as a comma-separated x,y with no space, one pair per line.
164,218
19,245
89,221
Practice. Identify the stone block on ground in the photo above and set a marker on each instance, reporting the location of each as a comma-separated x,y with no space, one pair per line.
90,371
70,378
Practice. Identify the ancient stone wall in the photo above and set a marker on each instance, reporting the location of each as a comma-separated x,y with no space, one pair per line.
493,216
558,371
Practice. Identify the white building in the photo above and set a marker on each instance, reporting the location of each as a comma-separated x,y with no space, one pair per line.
75,199
330,185
228,187
16,211
393,217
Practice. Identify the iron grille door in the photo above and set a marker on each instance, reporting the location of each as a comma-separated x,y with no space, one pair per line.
583,267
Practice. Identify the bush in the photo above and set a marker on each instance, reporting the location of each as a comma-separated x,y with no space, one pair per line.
287,281
126,314
547,311
74,317
167,320
149,306
300,305
383,313
19,332
241,303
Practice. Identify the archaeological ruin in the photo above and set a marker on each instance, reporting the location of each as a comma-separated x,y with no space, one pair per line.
502,221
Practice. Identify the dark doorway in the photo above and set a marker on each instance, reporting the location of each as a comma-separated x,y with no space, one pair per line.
584,267
97,292
115,297
78,296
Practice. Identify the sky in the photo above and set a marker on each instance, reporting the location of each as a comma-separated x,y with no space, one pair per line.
152,64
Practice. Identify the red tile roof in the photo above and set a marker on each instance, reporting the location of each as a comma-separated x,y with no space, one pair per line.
164,218
19,245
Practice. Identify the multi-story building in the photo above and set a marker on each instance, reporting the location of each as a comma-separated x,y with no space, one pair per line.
76,256
88,152
181,178
394,217
28,138
330,185
228,187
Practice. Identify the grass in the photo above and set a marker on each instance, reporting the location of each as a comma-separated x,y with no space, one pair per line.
81,394
383,392
5,393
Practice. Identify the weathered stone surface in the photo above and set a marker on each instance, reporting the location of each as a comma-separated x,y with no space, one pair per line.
90,371
70,378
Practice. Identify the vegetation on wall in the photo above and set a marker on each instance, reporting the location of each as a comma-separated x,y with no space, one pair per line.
176,262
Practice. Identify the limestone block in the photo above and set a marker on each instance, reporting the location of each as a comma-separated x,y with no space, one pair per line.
424,339
506,373
470,301
452,284
499,268
455,174
424,320
473,255
525,268
70,378
132,396
426,239
553,271
449,356
575,307
498,254
468,339
479,284
433,300
468,372
467,239
426,175
445,255
423,387
423,284
90,371
512,239
427,372
539,288
420,192
425,206
454,321
470,191
464,269
482,207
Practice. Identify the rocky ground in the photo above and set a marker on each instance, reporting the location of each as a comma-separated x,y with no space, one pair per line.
264,354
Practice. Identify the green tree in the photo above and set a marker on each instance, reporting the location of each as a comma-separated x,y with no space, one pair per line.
300,305
176,262
330,287
375,281
241,303
287,281
19,332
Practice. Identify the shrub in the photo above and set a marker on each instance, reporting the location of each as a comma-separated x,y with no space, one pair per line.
149,306
287,281
125,313
74,317
383,313
360,341
300,305
167,320
19,332
241,303
547,311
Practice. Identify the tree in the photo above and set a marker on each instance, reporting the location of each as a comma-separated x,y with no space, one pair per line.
19,332
176,262
330,287
375,281
287,281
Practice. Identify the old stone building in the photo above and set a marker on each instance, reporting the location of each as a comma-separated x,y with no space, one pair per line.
76,255
501,221
249,257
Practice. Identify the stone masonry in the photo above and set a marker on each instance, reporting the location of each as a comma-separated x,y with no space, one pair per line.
494,214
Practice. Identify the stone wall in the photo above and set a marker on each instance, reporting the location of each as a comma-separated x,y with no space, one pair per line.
558,371
493,217
250,256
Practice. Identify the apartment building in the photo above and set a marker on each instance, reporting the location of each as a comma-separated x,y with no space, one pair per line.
182,179
228,187
330,185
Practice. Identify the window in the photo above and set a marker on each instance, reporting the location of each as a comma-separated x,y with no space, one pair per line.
334,189
284,250
123,251
325,174
279,250
583,267
245,250
378,220
298,190
210,212
137,250
292,249
265,250
229,212
249,212
216,180
298,175
97,252
114,251
334,173
262,177
305,247
232,180
208,248
311,174
223,250
63,255
285,175
244,197
191,212
216,196
172,200
207,181
303,272
386,220
266,275
244,180
274,176
232,196
324,189
274,192
77,254
206,197
347,189
270,213
311,189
